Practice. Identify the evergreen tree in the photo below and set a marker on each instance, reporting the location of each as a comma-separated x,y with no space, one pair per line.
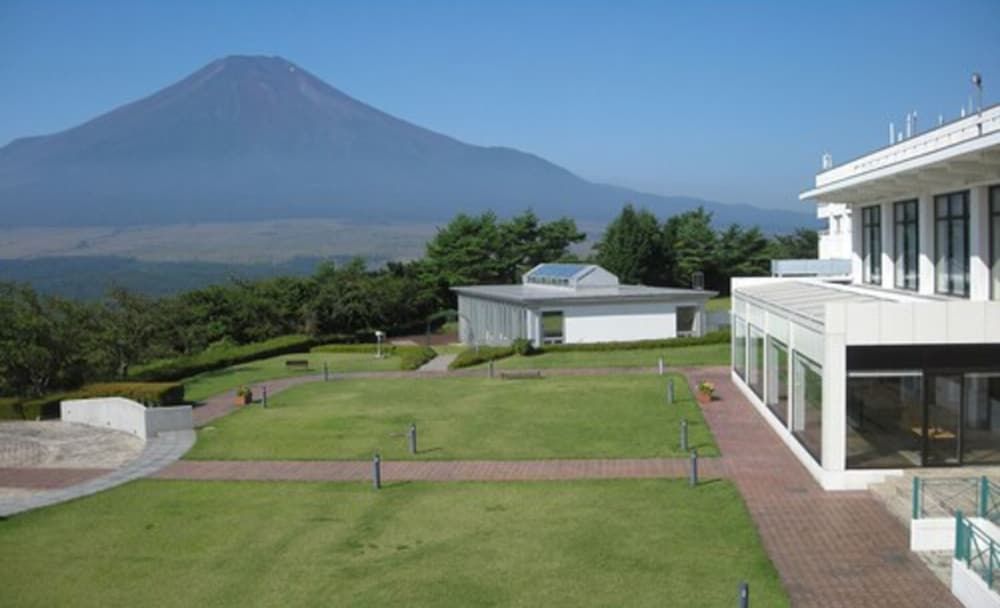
632,247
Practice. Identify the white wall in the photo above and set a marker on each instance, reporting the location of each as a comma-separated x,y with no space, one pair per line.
619,322
970,588
126,415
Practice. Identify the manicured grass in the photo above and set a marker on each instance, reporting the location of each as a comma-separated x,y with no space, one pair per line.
716,304
704,354
463,418
219,381
588,543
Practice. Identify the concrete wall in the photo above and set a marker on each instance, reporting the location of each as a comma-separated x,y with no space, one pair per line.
619,322
951,322
126,415
970,588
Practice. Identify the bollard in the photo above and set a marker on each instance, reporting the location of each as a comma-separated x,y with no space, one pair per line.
412,436
377,472
326,372
491,368
264,395
744,595
661,366
693,479
684,435
670,391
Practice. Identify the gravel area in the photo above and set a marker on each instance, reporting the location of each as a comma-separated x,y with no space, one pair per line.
54,444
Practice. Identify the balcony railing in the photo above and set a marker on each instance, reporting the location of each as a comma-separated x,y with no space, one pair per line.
945,496
979,551
810,268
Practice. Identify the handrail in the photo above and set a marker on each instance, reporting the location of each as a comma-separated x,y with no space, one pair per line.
978,550
944,496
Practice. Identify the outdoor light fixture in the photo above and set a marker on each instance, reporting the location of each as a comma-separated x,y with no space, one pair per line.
379,337
977,81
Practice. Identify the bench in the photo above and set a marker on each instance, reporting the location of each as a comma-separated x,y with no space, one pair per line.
297,363
528,375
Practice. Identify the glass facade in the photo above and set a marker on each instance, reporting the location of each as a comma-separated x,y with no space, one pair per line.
755,362
807,404
777,379
995,242
552,327
905,235
951,243
981,430
740,346
884,419
871,244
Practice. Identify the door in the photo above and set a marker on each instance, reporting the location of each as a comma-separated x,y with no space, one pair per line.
943,421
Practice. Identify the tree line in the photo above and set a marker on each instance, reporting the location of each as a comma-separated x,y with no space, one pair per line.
50,343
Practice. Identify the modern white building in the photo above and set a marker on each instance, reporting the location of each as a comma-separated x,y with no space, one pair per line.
574,303
898,367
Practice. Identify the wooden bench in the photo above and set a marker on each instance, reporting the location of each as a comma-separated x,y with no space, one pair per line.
297,363
527,375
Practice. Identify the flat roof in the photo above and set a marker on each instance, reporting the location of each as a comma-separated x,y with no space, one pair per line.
540,294
805,298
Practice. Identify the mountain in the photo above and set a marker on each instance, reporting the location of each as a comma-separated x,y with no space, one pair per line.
249,138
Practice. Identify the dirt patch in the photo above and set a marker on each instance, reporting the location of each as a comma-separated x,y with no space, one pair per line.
54,444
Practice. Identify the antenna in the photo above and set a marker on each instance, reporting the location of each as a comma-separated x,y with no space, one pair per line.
977,81
892,133
827,161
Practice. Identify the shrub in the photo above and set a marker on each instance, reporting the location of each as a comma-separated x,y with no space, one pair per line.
470,357
715,337
218,357
412,357
523,347
388,349
152,394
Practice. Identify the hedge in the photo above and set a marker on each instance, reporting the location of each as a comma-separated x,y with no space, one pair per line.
413,357
152,394
410,356
388,349
469,357
716,337
178,368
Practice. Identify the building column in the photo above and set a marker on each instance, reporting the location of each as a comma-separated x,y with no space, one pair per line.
857,263
888,246
979,243
925,243
835,389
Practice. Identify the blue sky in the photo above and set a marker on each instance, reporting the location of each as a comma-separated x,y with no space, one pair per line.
730,101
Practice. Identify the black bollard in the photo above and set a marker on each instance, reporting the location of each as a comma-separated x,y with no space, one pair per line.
670,391
412,435
264,395
684,435
744,595
326,372
693,480
377,472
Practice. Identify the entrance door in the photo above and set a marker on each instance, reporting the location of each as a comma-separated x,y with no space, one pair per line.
943,422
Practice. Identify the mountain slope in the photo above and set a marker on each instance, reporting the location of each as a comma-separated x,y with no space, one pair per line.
258,137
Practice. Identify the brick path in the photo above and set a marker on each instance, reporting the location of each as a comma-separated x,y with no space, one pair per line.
832,549
474,470
46,478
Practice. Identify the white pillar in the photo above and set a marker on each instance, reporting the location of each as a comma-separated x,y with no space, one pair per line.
925,242
979,243
835,388
888,247
857,263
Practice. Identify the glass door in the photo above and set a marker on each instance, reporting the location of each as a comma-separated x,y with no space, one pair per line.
943,422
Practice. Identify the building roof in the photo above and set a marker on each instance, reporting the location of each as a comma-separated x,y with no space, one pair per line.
544,294
569,276
806,299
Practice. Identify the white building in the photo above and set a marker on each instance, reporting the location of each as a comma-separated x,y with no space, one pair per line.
900,366
573,303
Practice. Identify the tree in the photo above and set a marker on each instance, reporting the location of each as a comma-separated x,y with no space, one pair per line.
740,253
127,324
803,244
526,242
689,241
632,247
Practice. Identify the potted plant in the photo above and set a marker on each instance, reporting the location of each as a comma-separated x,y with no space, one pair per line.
244,396
705,392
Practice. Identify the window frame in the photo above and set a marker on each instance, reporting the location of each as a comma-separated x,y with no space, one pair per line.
871,235
949,219
901,238
994,236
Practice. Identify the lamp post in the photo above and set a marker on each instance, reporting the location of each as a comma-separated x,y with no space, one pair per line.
379,336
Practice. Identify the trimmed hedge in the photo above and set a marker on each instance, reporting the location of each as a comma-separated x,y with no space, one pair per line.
469,357
178,368
151,394
410,357
388,349
715,337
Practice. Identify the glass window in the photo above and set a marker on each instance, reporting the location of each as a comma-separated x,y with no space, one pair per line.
755,364
871,244
951,218
885,418
995,241
552,327
807,404
685,320
905,242
981,433
740,346
777,379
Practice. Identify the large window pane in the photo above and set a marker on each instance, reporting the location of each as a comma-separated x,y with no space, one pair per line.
871,244
951,212
905,230
740,346
884,420
777,379
807,404
981,433
552,327
755,365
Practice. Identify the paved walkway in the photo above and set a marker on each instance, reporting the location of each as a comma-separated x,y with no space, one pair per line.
48,478
474,470
439,363
158,452
832,549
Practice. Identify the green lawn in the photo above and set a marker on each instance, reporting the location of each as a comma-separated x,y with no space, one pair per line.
463,418
588,543
219,381
703,354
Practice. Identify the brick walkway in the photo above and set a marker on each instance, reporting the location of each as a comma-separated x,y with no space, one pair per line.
46,478
832,549
481,470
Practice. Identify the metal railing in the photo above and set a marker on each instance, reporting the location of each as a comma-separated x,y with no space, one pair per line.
977,550
811,268
946,496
